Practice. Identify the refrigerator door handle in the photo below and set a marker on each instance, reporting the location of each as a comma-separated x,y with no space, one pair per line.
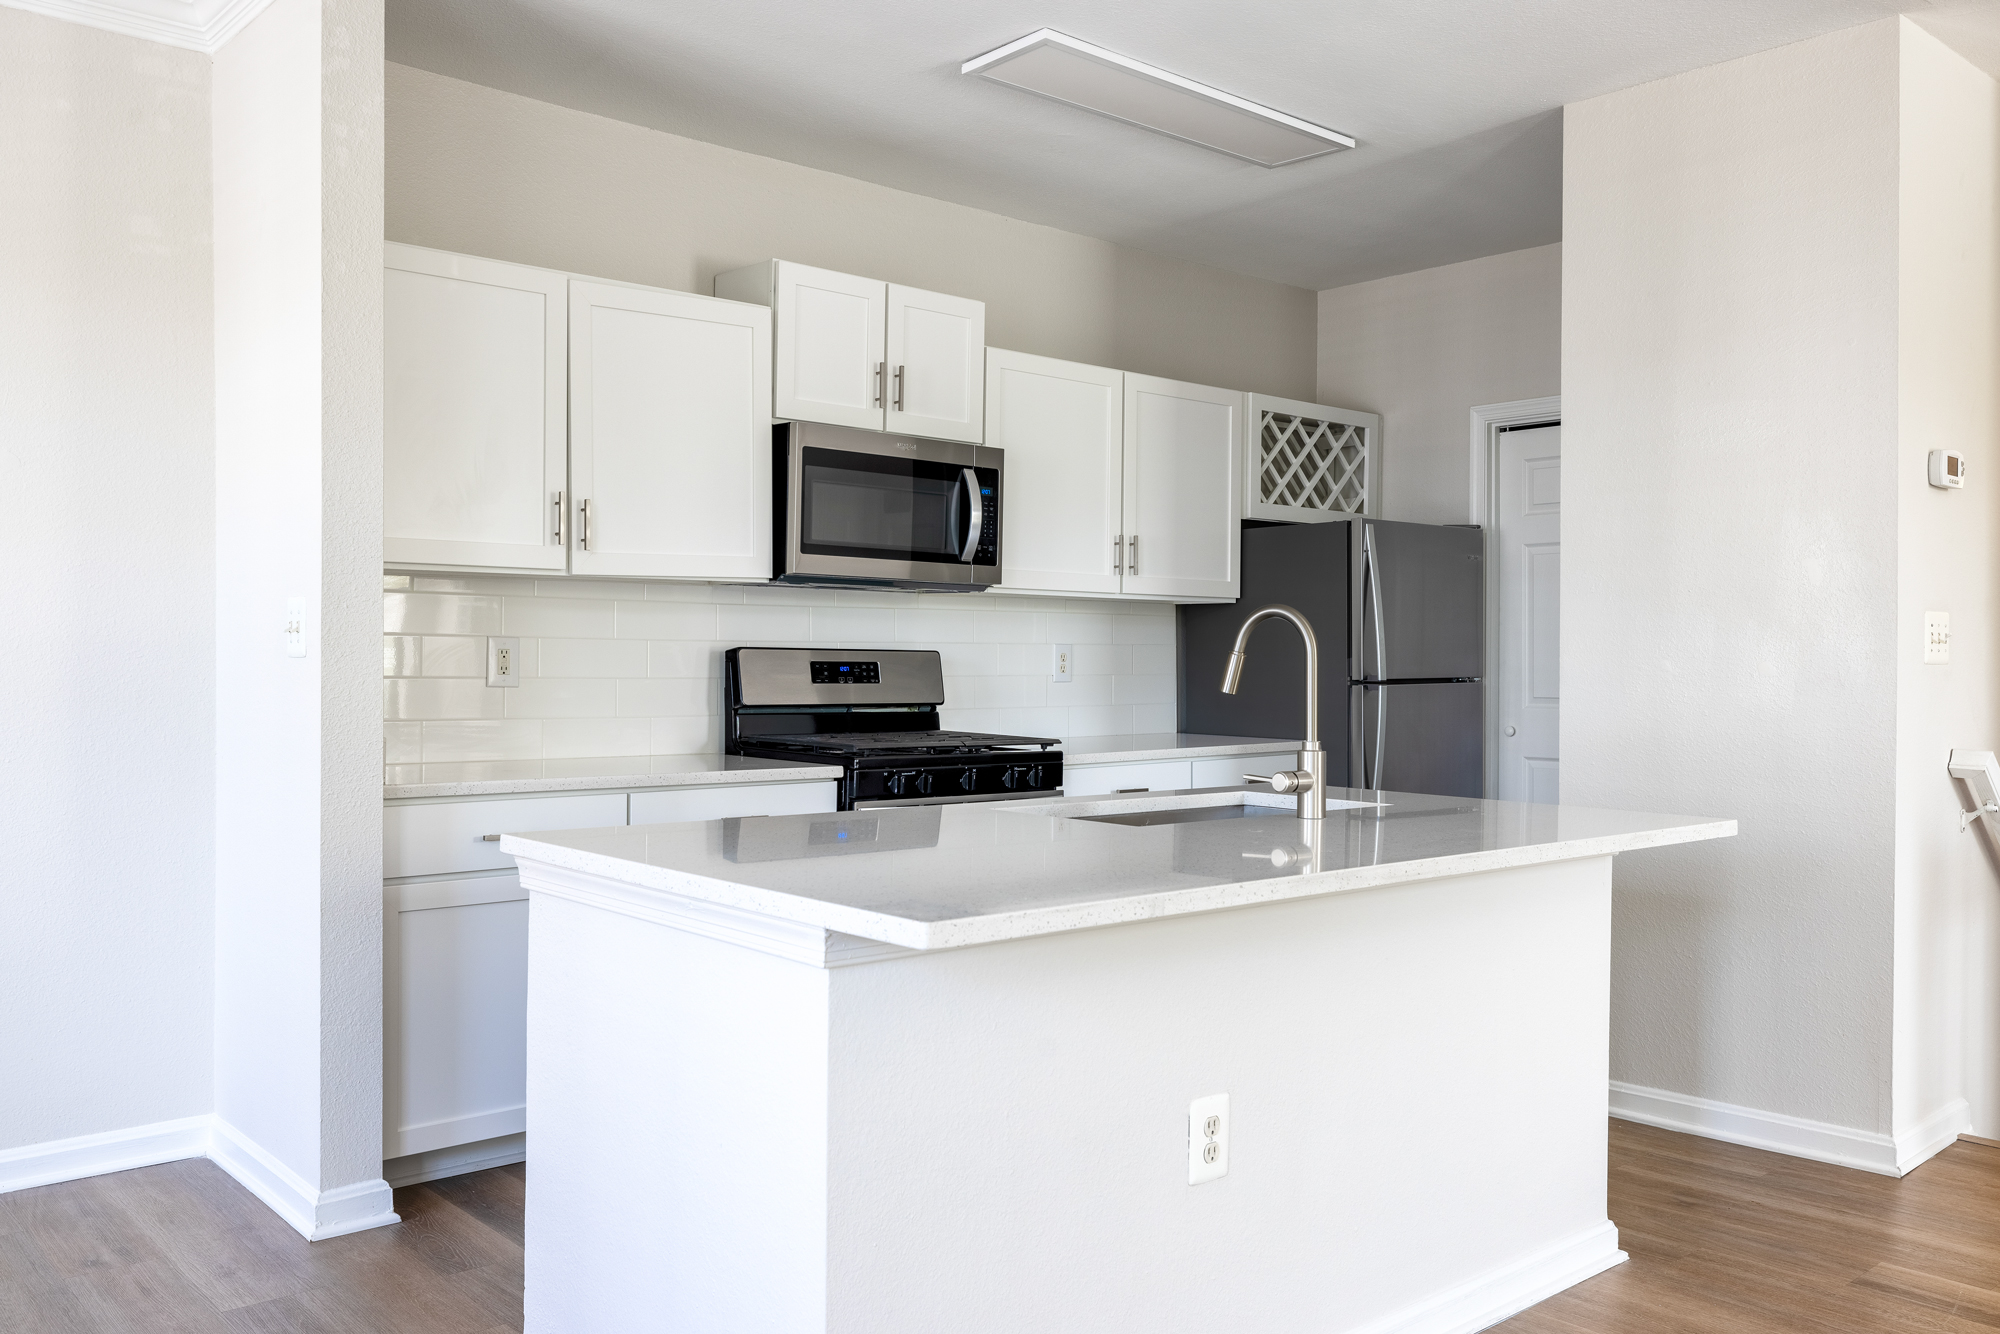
1371,575
1381,730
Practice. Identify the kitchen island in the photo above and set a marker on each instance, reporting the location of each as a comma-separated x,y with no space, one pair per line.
932,1068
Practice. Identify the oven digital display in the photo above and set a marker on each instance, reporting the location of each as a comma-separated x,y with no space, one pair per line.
846,674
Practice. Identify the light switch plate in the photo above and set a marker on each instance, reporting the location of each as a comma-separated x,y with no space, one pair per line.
1937,637
1208,1138
1062,662
503,661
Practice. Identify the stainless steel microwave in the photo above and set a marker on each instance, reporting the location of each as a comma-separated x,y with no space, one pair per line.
862,507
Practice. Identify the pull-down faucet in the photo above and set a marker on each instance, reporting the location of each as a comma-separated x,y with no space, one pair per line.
1309,779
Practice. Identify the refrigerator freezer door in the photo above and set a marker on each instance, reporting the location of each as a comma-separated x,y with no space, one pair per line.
1429,585
1419,738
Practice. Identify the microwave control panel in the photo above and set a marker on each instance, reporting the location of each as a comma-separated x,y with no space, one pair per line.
989,528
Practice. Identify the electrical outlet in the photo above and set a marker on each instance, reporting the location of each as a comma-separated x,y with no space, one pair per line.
1208,1138
503,661
295,627
1062,663
1937,637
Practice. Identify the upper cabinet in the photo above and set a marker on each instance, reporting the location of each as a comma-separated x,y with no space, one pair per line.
858,352
670,434
1182,461
1061,428
1117,483
474,389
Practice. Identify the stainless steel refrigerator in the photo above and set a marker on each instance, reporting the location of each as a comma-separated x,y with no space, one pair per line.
1400,613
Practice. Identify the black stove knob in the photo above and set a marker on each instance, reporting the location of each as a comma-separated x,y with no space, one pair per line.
1035,776
924,784
967,777
898,784
1011,779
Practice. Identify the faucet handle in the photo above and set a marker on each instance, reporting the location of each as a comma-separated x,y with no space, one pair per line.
1283,781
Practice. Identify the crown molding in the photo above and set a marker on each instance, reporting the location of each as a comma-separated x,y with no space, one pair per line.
196,25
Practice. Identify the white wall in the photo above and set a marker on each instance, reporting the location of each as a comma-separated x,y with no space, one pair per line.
496,174
1947,1030
297,156
107,672
1730,638
1423,349
623,667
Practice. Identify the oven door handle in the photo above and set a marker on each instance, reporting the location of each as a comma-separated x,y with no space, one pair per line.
972,515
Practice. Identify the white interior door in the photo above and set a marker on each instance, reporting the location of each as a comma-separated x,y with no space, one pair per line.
670,439
1059,425
937,353
1527,541
1182,469
474,364
830,365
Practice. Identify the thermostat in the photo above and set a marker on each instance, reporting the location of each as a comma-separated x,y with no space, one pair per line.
1947,468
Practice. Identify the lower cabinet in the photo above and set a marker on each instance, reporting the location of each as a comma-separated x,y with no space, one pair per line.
1096,780
455,959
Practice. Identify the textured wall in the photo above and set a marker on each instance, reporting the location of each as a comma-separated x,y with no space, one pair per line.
1424,349
1730,599
108,674
495,174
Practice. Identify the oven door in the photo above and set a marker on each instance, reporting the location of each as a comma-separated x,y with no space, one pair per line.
864,506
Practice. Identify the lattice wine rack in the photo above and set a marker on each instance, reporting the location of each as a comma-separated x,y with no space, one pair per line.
1309,463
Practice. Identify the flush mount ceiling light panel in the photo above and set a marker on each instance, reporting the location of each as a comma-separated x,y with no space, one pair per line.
1063,68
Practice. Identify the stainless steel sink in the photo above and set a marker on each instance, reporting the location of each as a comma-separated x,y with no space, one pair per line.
1194,814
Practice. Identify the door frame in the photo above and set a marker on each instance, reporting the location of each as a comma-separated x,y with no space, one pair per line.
1488,421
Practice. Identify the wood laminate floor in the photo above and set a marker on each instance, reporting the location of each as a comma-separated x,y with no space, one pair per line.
1724,1240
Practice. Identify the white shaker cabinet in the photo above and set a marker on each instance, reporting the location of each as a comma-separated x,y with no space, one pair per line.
1183,467
670,439
853,351
1061,426
474,370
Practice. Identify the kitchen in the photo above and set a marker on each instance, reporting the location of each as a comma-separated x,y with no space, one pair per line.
475,171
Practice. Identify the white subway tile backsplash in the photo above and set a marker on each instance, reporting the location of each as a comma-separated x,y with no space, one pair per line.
569,618
556,697
592,657
454,655
495,739
440,614
768,625
666,620
400,656
424,699
621,668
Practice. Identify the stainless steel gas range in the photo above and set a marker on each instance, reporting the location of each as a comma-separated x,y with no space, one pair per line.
874,712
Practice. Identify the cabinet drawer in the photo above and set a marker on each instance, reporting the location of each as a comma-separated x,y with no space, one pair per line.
451,836
1097,780
720,803
1229,771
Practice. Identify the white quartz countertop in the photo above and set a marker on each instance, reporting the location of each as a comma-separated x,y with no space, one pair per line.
1142,746
480,778
937,877
485,778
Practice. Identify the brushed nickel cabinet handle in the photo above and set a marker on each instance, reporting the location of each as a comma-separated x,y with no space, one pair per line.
583,535
1118,554
899,387
881,369
559,517
489,838
1132,554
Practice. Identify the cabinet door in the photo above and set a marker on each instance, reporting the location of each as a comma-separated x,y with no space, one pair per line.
670,436
472,411
830,337
671,805
1098,780
1059,425
1182,467
937,354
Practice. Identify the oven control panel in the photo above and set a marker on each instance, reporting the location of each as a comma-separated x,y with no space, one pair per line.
847,673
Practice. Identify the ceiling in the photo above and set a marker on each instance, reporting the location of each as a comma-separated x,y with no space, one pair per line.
1456,104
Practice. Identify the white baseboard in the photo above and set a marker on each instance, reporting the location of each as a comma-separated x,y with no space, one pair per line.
436,1164
1507,1291
315,1214
94,1155
412,1140
1868,1150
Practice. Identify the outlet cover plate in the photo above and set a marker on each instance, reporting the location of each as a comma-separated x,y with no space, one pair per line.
1062,662
1208,1138
503,661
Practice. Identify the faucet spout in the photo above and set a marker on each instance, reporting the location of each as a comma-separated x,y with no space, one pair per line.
1309,781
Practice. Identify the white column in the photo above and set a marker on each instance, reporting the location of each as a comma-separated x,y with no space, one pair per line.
298,338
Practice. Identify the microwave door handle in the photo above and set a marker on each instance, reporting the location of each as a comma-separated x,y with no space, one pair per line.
972,515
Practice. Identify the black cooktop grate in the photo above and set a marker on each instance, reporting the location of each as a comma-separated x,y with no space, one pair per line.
898,743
